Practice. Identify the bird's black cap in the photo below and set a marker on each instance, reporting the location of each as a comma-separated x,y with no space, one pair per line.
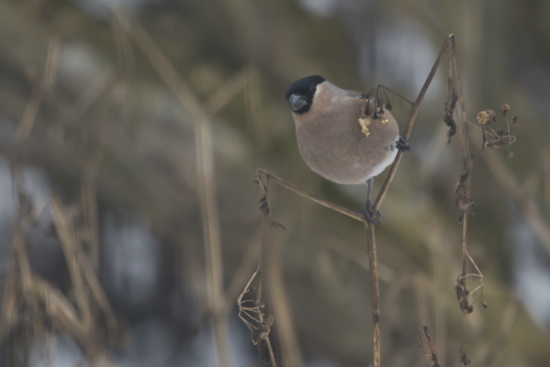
304,88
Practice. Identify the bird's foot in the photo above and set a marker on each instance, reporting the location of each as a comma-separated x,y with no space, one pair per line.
371,215
402,144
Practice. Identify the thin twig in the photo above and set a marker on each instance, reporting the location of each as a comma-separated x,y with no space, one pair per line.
271,267
246,266
371,238
289,186
39,301
67,237
467,156
433,357
254,318
410,123
375,294
464,201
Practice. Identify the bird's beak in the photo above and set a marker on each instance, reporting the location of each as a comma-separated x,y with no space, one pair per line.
296,102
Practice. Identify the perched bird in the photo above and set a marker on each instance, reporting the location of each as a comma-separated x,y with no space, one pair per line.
342,135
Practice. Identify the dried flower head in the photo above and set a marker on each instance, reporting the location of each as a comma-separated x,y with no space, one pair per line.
504,109
486,116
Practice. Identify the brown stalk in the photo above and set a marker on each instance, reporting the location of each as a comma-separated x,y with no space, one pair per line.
464,201
252,314
467,155
206,177
86,286
433,352
249,264
88,196
18,291
272,269
410,123
67,237
269,268
327,204
26,296
371,238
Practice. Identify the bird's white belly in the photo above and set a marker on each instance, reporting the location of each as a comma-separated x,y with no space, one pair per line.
380,167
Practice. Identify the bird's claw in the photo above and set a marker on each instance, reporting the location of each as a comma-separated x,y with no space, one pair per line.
402,144
371,215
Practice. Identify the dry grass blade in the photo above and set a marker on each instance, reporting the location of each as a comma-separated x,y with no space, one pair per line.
67,237
246,266
290,353
45,84
206,176
27,297
60,310
270,267
88,196
83,277
19,299
226,92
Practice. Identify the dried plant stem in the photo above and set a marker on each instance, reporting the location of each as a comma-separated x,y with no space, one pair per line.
291,187
375,294
212,249
410,123
32,302
206,177
371,238
254,317
433,352
466,151
88,197
271,265
247,265
43,86
67,237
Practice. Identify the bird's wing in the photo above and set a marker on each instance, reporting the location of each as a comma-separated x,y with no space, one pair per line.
355,94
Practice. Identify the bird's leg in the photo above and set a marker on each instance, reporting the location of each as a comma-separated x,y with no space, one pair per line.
370,213
402,144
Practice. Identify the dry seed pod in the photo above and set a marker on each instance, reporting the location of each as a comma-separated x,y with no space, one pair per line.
504,109
485,117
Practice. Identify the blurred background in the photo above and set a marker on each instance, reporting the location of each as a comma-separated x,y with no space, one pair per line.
130,132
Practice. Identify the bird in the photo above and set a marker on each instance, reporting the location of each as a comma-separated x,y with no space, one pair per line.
345,136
